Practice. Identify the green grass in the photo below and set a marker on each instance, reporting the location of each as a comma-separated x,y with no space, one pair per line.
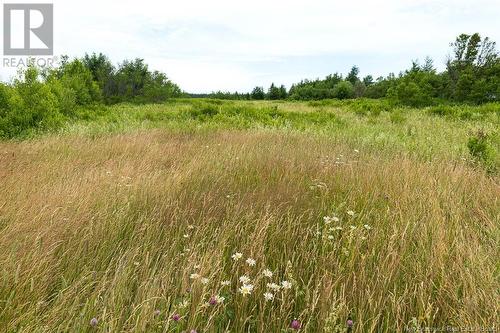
109,216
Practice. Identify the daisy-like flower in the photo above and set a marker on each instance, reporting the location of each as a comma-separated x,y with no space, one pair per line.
367,227
350,213
244,279
246,289
220,299
327,219
225,283
205,280
237,256
273,286
184,304
286,285
331,237
194,276
250,262
335,219
267,273
268,296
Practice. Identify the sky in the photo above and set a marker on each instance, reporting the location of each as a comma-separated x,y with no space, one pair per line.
233,45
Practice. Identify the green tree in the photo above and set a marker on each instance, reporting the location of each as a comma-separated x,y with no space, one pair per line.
258,93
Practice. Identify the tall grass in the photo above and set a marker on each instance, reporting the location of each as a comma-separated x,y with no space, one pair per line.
135,232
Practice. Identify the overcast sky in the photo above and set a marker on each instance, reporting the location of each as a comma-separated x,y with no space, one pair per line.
235,45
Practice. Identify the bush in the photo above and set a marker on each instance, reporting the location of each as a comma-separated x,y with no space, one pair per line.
343,90
30,104
482,150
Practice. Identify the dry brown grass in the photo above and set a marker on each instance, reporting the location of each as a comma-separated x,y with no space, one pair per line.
95,228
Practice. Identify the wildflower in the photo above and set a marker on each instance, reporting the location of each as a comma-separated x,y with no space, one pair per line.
296,325
184,304
194,276
250,262
335,219
286,285
246,289
267,273
204,281
353,227
193,331
350,213
339,228
273,286
268,296
350,323
244,279
212,301
225,283
327,219
94,322
176,317
367,227
157,313
237,256
220,299
331,237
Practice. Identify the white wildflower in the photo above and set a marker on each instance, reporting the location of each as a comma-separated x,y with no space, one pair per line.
194,276
246,289
250,262
244,279
267,273
204,281
286,285
237,256
225,283
268,296
273,286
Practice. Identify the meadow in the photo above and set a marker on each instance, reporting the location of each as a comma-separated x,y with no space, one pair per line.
253,216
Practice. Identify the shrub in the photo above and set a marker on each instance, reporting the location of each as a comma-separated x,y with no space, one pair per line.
343,90
482,150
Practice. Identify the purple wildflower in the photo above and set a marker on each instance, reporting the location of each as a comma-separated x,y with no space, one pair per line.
94,322
350,323
157,312
296,325
212,301
176,317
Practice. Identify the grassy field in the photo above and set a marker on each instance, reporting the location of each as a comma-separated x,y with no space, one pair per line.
133,219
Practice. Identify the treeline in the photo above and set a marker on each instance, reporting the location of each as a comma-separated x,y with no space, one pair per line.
472,75
44,98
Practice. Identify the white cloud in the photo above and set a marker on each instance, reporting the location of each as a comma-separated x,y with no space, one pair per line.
234,45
